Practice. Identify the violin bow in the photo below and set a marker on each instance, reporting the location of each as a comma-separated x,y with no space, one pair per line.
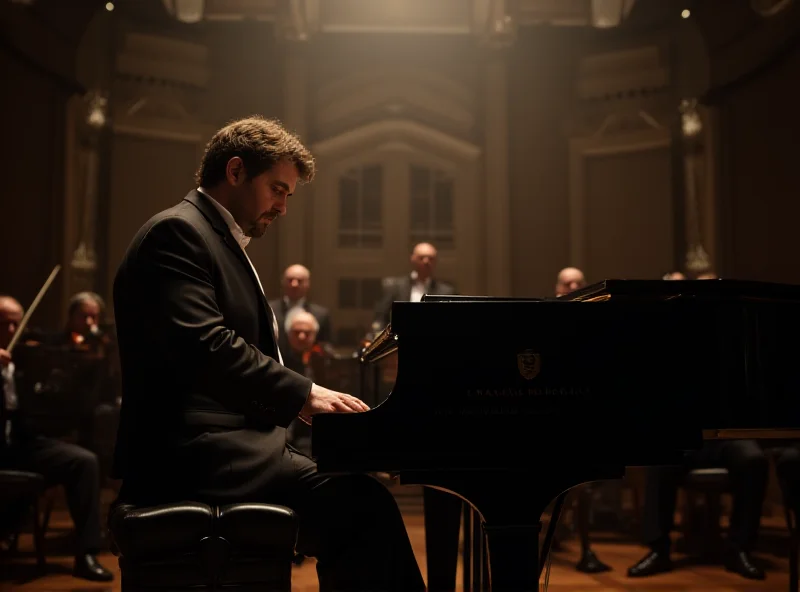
32,307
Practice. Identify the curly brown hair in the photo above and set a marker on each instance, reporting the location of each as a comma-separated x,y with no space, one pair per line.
260,143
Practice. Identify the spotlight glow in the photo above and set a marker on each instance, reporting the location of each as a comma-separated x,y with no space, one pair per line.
686,13
109,6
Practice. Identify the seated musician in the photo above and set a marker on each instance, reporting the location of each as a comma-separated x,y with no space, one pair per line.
787,466
301,332
442,510
190,308
59,462
84,313
93,385
568,280
295,286
85,317
411,287
747,466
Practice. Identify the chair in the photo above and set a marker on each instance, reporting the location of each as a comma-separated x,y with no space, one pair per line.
28,488
192,546
700,522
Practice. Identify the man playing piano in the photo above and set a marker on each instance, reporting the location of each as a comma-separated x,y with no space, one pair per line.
206,399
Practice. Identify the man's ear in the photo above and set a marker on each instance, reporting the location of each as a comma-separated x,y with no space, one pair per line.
235,173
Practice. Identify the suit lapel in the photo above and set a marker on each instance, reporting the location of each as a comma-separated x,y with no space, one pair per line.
406,287
202,203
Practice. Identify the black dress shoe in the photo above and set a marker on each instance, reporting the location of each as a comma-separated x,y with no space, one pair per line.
589,563
655,562
88,568
741,562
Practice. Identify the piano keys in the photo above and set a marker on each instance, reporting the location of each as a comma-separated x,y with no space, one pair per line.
494,393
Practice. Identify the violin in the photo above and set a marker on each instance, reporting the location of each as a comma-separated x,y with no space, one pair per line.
316,350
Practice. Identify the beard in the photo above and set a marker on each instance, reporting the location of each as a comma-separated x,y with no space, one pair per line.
259,227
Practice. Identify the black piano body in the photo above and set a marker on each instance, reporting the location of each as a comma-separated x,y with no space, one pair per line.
493,394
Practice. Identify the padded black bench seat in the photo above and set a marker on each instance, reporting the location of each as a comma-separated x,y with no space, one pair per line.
193,546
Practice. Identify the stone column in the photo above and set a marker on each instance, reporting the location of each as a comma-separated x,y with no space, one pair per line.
694,162
83,265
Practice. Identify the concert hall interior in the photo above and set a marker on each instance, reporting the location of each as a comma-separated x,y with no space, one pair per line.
519,312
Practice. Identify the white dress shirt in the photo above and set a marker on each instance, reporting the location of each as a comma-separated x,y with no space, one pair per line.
244,240
10,397
418,288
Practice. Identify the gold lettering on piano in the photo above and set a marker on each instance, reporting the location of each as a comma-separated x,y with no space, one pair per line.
529,364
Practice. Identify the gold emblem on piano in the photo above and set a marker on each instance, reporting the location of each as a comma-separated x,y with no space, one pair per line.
529,364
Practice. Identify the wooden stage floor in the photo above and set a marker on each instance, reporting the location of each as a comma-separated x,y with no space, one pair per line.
17,574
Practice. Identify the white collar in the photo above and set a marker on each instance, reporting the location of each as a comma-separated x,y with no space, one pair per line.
236,230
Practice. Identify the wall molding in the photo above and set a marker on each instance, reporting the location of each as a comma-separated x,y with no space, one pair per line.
373,135
582,149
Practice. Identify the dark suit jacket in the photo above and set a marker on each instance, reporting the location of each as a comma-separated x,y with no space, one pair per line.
398,289
205,403
280,308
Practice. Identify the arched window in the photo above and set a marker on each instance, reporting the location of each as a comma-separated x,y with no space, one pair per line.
431,203
361,208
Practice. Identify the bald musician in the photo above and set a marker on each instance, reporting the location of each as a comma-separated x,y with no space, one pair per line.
569,279
411,287
442,510
295,286
61,463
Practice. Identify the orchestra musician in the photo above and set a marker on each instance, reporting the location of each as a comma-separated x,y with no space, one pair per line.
411,287
442,510
747,467
568,280
300,343
191,310
295,286
84,312
61,463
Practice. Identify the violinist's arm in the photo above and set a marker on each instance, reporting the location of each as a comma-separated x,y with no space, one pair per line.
5,357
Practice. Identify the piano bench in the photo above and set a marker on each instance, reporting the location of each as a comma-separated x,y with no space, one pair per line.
702,535
191,546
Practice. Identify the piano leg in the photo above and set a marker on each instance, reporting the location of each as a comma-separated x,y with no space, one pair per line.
513,556
510,514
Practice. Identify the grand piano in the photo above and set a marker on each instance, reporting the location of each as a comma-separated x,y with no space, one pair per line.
509,403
